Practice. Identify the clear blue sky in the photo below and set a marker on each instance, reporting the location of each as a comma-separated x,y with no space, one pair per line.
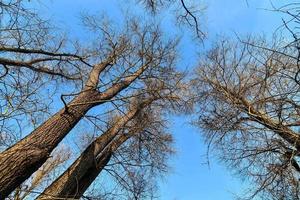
189,179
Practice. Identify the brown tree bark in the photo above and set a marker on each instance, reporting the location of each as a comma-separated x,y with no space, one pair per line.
21,160
80,175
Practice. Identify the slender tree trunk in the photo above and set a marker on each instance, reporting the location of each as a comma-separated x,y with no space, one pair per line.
80,175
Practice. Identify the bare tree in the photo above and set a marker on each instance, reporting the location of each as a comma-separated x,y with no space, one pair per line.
249,109
139,53
39,65
78,177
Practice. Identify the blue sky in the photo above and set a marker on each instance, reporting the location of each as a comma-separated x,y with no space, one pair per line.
190,178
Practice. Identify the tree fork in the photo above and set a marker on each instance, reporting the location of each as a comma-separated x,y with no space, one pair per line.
20,161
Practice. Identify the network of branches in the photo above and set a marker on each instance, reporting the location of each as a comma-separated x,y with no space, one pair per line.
89,119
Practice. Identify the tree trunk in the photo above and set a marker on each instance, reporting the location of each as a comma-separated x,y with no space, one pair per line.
21,160
77,178
80,175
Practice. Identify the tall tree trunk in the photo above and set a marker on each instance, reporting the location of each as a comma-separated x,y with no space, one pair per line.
77,178
80,175
21,160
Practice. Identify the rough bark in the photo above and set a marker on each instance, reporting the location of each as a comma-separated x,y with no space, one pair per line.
80,175
72,185
20,161
24,158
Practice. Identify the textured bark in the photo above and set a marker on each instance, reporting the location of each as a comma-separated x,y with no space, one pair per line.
21,160
79,176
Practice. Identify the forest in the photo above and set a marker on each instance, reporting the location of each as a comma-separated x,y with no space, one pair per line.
99,99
